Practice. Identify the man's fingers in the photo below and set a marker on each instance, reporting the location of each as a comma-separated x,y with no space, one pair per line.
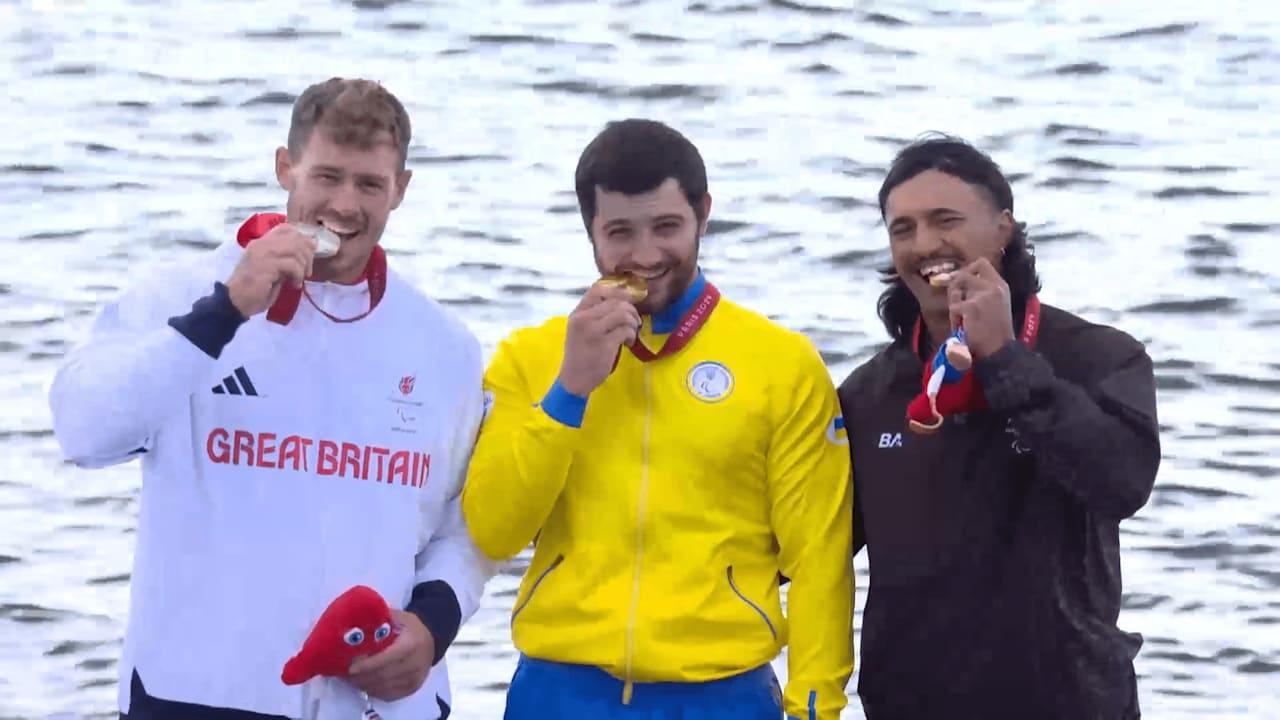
274,294
598,294
305,253
596,312
957,293
394,687
620,336
982,268
292,245
391,684
619,324
956,289
367,670
292,269
625,318
608,313
982,276
389,694
286,241
370,665
589,299
615,294
614,322
959,311
625,314
623,333
288,261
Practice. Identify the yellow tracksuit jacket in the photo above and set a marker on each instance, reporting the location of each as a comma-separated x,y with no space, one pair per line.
663,517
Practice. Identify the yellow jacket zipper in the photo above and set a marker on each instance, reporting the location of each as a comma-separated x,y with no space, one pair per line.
640,516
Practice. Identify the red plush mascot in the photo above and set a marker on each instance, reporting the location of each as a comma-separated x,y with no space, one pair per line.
356,623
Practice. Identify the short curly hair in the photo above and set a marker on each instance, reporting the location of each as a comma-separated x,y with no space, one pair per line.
352,112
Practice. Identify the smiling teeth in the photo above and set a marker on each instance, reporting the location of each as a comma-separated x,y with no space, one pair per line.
942,266
340,230
939,273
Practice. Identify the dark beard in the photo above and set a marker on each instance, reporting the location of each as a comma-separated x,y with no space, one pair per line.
684,282
690,273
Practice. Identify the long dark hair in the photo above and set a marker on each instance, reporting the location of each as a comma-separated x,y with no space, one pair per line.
897,307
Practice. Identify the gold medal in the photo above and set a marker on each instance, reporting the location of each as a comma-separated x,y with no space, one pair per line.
633,284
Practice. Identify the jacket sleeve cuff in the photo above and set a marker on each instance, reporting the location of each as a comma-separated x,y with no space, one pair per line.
436,605
563,406
212,322
1013,377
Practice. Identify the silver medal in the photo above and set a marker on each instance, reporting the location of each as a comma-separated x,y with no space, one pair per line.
326,241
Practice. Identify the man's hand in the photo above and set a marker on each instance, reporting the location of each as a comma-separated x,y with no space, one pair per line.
400,670
979,298
603,322
283,254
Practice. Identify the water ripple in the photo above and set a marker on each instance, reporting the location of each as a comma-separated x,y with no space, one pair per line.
1140,141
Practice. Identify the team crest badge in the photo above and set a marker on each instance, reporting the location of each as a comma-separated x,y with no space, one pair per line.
709,381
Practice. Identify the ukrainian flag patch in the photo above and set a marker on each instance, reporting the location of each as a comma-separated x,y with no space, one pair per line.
836,432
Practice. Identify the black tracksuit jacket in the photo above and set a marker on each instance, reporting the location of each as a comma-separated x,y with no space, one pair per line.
994,543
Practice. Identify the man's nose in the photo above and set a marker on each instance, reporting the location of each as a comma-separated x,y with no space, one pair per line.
929,241
345,200
645,250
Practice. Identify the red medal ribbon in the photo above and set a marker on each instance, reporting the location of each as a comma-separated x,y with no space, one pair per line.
286,304
692,321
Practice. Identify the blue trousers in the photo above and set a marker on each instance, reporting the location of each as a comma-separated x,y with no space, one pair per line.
542,690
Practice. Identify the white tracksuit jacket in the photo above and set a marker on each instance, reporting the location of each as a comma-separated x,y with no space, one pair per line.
301,460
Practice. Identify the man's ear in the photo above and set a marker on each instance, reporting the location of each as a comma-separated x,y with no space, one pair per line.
284,169
1004,228
706,213
402,184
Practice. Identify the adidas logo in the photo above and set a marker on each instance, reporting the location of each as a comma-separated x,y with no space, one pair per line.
237,383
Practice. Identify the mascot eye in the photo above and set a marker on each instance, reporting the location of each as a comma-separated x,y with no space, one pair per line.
354,636
382,632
